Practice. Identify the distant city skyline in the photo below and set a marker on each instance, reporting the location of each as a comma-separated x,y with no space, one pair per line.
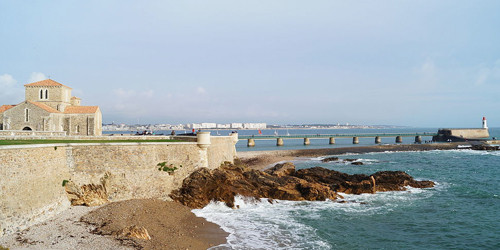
409,63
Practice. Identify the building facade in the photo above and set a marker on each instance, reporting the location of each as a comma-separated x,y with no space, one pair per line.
49,106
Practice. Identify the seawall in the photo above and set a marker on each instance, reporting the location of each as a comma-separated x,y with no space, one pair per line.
31,175
461,134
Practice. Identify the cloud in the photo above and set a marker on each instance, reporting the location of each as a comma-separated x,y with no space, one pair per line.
487,74
7,81
10,92
428,72
133,101
201,90
129,93
37,76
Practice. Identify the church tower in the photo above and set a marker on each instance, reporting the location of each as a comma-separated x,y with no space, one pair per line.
50,93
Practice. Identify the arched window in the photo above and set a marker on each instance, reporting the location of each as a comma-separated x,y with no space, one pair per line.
46,94
77,129
41,94
27,115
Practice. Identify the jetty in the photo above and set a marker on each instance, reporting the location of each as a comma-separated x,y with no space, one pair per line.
355,137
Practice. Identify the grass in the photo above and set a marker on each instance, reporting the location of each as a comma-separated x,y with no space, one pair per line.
25,142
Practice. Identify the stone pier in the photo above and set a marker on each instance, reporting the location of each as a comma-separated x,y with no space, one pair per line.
378,140
279,142
251,143
307,141
355,140
418,139
332,140
399,139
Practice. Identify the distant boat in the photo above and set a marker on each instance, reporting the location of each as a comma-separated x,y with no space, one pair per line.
287,133
275,132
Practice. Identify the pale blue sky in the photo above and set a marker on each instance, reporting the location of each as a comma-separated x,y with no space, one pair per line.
416,63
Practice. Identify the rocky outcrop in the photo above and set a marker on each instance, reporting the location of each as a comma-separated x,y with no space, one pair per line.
86,195
285,183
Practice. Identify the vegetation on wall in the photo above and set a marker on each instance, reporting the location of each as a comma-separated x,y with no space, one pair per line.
169,169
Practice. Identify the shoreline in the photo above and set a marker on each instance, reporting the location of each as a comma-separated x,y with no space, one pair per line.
262,159
164,219
169,224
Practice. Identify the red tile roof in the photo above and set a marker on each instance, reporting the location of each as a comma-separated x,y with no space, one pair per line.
81,109
4,108
45,83
45,107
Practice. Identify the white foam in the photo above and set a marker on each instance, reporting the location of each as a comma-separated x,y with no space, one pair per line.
262,225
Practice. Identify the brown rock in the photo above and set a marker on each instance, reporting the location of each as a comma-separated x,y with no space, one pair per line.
357,163
284,183
329,159
86,195
280,170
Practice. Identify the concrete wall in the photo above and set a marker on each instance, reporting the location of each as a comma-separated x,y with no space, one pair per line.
478,133
31,185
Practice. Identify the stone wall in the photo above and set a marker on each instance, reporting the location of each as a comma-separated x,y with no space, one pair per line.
31,185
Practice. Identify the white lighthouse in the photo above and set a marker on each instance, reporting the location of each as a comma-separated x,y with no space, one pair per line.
485,125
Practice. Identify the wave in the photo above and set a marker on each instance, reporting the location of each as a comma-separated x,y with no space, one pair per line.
260,224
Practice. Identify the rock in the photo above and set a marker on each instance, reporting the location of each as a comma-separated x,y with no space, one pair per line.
329,159
397,181
485,147
133,232
284,183
357,163
86,195
280,170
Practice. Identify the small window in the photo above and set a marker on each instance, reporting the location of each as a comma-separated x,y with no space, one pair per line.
46,94
41,94
77,129
27,115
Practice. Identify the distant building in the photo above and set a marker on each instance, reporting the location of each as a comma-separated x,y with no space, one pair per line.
254,125
49,106
236,125
224,126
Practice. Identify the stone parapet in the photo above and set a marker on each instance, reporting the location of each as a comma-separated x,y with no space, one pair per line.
31,183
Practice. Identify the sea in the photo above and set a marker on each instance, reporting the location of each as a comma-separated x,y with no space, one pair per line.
461,212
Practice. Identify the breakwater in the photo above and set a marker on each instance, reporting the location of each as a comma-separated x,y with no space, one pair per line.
31,187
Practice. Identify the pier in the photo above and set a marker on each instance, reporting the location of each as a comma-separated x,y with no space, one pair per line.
355,137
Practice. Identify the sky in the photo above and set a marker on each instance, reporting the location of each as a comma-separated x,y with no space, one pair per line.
413,63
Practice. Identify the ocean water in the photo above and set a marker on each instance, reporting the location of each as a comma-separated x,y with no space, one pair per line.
461,212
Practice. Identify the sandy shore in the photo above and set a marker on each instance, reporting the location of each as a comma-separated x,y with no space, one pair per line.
264,159
170,225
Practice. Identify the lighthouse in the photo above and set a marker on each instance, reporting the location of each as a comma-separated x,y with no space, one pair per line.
485,125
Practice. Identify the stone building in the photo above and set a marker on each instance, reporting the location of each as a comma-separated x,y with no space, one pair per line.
49,106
